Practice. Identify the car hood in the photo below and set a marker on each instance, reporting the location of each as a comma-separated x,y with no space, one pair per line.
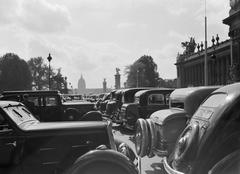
63,126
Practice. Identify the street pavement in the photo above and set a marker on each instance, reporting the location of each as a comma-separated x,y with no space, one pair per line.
149,165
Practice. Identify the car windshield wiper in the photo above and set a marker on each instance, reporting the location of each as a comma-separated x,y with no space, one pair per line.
10,105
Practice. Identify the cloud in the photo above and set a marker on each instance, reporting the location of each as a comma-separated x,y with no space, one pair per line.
41,16
8,11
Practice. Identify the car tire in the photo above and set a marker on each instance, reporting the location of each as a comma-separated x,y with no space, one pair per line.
92,116
71,115
141,137
152,138
103,162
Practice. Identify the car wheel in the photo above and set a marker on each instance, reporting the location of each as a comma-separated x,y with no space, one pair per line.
152,138
92,116
71,115
141,137
103,162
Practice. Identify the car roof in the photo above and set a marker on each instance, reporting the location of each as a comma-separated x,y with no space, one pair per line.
30,92
180,94
153,90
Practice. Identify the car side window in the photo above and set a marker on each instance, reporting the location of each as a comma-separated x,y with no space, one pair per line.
51,101
34,99
156,99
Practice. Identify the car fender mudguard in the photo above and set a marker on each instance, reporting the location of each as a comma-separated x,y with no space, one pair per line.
92,116
103,162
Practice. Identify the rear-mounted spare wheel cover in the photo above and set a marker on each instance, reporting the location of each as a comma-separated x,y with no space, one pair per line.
185,149
103,162
141,137
152,138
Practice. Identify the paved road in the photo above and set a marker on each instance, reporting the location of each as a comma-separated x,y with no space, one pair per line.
149,165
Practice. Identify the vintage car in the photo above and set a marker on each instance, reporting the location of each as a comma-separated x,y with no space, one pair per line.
102,103
120,97
48,105
212,135
145,103
28,146
158,134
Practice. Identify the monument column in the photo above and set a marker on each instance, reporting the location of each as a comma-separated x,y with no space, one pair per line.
104,85
117,79
234,33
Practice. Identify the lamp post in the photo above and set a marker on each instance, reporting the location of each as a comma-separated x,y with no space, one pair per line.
49,58
137,78
205,55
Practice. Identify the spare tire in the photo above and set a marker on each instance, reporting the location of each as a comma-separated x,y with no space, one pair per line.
103,162
152,138
141,137
92,116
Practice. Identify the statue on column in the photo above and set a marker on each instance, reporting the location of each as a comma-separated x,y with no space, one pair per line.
235,6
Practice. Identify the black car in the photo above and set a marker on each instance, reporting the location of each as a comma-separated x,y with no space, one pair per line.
28,146
212,135
49,105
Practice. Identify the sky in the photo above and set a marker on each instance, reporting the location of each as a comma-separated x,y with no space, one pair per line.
93,37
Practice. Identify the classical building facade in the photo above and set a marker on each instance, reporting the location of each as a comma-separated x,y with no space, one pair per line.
223,58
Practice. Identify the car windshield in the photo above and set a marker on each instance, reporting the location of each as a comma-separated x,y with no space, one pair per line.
19,114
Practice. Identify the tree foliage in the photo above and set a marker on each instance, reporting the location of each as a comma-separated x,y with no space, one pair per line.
14,73
40,73
142,73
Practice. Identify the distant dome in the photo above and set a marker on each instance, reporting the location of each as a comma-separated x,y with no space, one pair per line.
81,85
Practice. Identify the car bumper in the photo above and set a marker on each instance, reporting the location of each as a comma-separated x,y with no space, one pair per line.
168,168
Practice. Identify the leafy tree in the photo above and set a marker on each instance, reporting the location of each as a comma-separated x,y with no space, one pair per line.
14,73
59,82
142,73
39,72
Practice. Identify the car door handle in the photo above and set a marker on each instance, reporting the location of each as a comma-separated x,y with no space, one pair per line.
13,144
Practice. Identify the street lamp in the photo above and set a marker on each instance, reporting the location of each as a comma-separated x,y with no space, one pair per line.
49,58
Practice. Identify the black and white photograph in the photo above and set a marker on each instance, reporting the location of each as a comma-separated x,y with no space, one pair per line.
119,86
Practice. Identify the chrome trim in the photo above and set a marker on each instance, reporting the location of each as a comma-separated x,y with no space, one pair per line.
168,169
139,165
110,135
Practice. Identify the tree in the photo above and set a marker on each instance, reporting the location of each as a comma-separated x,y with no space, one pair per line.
142,73
39,72
15,73
59,82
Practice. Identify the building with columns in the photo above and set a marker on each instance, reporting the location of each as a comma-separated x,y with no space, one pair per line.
223,58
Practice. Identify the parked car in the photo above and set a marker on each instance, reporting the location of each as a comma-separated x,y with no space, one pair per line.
124,96
158,134
28,146
102,103
111,106
211,135
48,105
145,103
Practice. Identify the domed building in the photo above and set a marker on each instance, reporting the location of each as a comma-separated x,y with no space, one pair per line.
81,85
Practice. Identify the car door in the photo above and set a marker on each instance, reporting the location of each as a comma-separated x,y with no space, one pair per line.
10,147
51,108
